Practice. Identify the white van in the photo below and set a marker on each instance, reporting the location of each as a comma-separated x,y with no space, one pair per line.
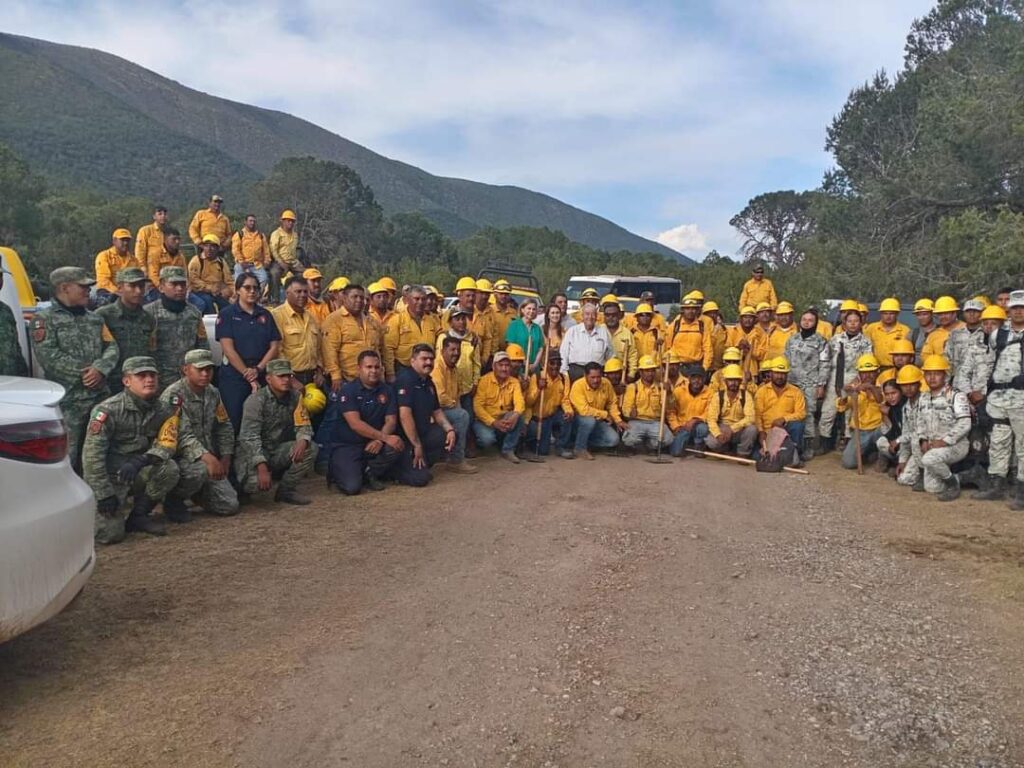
668,291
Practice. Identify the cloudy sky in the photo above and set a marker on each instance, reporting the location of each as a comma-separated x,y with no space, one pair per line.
665,117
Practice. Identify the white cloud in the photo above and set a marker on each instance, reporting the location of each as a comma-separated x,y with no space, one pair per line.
686,238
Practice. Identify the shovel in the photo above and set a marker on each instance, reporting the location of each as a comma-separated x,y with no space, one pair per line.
658,458
536,458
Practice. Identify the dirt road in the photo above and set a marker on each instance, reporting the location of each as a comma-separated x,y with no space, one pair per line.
614,613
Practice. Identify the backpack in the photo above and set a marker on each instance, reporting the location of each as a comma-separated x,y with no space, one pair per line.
1002,342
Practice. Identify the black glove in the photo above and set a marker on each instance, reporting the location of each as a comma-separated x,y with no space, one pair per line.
126,474
107,506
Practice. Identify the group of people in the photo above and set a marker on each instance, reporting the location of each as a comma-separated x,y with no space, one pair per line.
375,384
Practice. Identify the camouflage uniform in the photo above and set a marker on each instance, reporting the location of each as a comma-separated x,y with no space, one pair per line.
943,416
205,428
177,331
1006,403
12,362
270,427
808,362
122,427
65,342
133,329
853,347
959,352
910,449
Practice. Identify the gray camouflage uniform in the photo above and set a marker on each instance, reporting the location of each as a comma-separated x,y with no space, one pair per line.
959,354
944,416
65,342
270,427
134,331
176,334
121,427
205,427
1006,405
854,348
808,362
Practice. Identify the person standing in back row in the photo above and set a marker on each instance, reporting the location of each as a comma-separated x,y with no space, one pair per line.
210,221
133,328
110,261
250,250
149,242
179,325
284,253
758,289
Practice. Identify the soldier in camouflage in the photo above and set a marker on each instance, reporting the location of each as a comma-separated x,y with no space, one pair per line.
133,329
939,428
129,450
1006,403
960,342
12,362
276,437
854,344
808,353
206,442
76,350
179,325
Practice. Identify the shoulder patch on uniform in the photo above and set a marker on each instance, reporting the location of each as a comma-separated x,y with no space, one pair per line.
221,412
105,334
99,416
176,401
300,415
401,391
38,328
382,398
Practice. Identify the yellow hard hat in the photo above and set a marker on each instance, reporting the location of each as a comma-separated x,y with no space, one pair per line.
762,306
849,305
889,305
647,362
889,374
691,302
784,308
465,284
484,285
766,365
376,287
314,399
211,239
288,213
124,234
862,307
935,363
312,274
747,310
674,358
946,304
923,305
732,355
431,290
985,300
909,374
589,293
502,286
609,298
710,306
696,294
902,347
780,365
515,352
388,284
732,372
644,309
613,365
993,312
867,362
339,284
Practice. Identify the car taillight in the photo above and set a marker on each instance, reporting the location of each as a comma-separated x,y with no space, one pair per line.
37,442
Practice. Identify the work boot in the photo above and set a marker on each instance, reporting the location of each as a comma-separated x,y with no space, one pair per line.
139,519
1017,505
807,452
996,489
583,453
918,486
567,454
510,456
883,463
176,511
291,496
372,482
952,490
463,468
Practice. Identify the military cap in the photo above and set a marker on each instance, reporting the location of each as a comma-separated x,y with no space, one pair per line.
279,367
139,364
973,305
457,310
216,199
129,275
173,274
200,358
63,275
1016,299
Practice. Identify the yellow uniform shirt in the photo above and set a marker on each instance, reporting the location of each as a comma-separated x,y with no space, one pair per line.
776,346
658,321
401,335
250,248
599,403
494,399
756,291
771,403
825,329
209,275
691,342
300,337
869,411
719,337
935,344
648,342
882,340
736,413
468,366
502,319
161,260
717,382
283,247
485,325
206,222
556,395
382,319
149,244
446,382
753,359
108,263
343,338
319,309
685,406
624,347
642,401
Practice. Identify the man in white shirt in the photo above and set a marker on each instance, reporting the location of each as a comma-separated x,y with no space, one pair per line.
585,342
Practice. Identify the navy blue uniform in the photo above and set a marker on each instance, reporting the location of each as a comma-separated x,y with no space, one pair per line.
418,393
252,334
349,461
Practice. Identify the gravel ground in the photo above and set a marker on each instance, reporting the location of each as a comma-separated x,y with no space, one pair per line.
568,614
